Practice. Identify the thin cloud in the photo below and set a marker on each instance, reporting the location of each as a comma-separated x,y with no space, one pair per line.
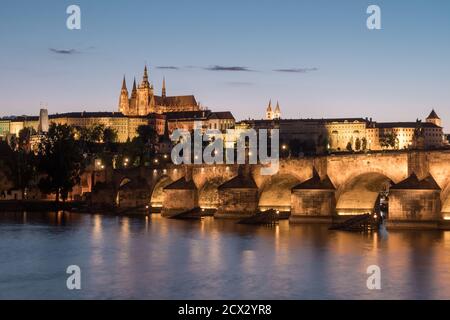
64,51
239,83
168,67
232,68
297,70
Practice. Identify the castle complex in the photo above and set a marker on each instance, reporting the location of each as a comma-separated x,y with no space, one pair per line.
143,107
305,145
143,101
357,134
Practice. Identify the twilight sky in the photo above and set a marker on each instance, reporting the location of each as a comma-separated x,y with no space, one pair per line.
316,57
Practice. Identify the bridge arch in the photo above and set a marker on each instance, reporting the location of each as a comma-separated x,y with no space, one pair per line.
359,194
208,194
122,182
157,194
342,168
445,201
275,192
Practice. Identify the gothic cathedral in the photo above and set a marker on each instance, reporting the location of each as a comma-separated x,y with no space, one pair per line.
143,101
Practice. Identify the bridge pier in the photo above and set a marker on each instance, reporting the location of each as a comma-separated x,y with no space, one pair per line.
180,196
415,203
238,198
313,201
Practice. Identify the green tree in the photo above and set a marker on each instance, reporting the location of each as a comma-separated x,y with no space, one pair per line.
364,144
90,135
13,142
82,133
147,134
392,140
383,143
109,135
389,140
349,146
96,133
20,165
83,137
25,135
357,144
61,160
128,154
96,141
144,144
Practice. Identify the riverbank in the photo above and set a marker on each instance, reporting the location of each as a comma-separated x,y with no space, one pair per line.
79,208
71,206
82,207
88,209
39,206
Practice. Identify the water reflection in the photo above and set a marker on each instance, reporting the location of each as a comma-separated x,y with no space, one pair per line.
124,257
97,241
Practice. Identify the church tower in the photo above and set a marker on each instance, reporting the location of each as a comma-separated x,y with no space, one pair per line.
144,96
277,113
133,100
269,112
433,118
123,100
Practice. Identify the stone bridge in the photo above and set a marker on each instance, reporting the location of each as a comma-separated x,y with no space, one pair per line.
311,188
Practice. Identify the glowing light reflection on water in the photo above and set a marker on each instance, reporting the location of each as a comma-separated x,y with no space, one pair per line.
153,258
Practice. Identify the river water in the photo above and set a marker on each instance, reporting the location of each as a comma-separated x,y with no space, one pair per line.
157,258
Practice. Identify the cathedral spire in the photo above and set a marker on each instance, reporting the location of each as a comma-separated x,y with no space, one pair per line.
277,113
145,83
269,113
124,84
145,73
123,100
134,90
163,92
